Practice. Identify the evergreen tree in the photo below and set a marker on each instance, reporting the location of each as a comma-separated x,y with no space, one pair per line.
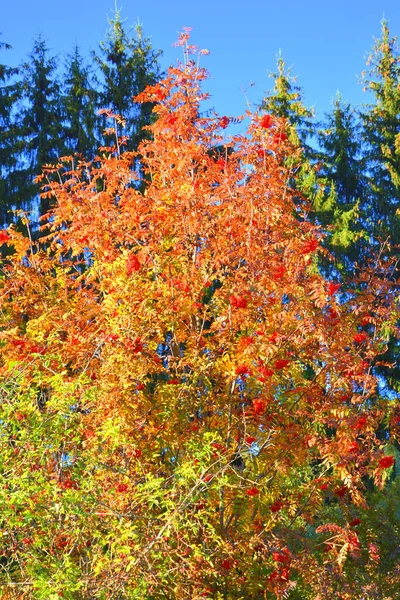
331,176
382,135
286,100
127,65
40,120
341,142
8,99
343,165
79,107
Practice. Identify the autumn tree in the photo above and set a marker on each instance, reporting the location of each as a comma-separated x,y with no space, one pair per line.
189,415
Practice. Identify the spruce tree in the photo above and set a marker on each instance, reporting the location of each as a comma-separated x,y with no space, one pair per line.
127,65
341,142
286,100
40,120
79,101
343,165
8,99
382,136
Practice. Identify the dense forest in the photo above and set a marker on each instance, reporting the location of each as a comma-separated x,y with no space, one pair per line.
199,333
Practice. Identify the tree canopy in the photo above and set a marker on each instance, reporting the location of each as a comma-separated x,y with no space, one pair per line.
189,407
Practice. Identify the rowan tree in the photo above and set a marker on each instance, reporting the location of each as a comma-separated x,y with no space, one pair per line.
188,407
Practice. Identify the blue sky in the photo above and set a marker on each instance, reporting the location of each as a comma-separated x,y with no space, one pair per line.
324,42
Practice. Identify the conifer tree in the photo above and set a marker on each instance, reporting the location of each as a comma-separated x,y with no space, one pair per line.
40,120
343,165
340,140
127,65
286,101
382,135
79,106
8,98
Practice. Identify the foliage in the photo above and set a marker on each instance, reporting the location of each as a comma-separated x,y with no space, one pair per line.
188,407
